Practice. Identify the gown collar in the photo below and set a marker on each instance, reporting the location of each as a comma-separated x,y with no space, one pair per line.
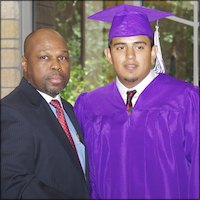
139,88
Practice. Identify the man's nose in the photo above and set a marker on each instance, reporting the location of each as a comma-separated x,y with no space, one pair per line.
130,53
55,64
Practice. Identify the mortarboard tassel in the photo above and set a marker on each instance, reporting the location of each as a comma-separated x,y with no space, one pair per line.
159,66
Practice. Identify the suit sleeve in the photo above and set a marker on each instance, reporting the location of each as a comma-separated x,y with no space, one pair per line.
18,157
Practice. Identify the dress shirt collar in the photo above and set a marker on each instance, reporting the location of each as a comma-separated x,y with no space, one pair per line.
49,98
139,88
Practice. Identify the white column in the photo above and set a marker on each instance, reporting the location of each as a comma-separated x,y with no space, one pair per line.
196,47
26,8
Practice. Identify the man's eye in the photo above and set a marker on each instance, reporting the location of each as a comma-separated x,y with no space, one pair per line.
120,48
63,58
140,47
43,57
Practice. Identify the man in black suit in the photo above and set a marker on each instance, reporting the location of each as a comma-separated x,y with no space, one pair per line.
37,158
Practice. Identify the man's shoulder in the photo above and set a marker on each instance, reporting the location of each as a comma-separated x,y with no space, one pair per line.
174,88
11,97
24,95
169,81
102,90
95,97
66,103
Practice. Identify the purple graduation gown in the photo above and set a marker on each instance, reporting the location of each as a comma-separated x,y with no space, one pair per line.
153,153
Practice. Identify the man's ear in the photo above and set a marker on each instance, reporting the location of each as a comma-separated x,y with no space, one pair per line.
24,66
153,54
108,55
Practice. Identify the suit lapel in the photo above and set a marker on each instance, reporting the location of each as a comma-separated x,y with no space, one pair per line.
51,124
57,130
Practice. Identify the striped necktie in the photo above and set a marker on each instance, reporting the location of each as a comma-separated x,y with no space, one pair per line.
62,121
130,95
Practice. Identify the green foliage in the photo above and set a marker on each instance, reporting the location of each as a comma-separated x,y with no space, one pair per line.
96,71
68,23
79,83
75,85
176,36
68,19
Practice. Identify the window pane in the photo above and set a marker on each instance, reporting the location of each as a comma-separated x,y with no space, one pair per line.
65,17
183,9
176,38
88,38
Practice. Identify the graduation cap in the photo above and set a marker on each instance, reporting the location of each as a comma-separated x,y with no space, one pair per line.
129,20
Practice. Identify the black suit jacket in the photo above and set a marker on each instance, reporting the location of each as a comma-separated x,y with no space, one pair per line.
37,160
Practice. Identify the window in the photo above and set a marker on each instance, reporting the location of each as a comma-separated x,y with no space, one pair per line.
87,40
177,39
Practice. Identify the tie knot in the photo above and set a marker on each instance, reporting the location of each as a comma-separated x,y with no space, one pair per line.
130,94
55,103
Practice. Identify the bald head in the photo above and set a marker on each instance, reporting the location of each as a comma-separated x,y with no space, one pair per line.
46,63
38,35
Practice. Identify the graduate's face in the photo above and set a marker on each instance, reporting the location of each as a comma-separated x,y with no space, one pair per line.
46,62
132,58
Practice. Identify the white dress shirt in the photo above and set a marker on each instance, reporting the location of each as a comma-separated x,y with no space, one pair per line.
139,88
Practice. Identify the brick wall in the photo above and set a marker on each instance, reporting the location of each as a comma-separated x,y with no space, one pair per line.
10,46
11,40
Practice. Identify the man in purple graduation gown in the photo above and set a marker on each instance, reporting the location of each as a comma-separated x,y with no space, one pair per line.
152,151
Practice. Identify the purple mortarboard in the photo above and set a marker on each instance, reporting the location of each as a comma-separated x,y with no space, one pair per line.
128,20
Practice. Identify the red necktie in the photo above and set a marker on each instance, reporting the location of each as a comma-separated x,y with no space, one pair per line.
62,121
130,95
